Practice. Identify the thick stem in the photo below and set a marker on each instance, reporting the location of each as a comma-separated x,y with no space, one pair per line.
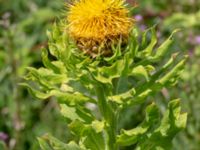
109,116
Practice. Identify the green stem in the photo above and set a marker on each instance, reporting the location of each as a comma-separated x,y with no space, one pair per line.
109,116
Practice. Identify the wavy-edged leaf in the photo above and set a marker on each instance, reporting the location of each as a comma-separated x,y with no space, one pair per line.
158,80
163,48
122,98
172,75
47,63
76,113
88,136
48,142
47,78
161,138
148,50
63,97
106,74
130,137
140,71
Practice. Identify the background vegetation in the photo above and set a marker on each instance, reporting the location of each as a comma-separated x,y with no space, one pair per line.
23,25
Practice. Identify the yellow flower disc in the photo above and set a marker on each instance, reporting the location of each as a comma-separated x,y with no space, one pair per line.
97,23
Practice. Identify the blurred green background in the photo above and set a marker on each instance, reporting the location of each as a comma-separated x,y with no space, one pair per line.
23,25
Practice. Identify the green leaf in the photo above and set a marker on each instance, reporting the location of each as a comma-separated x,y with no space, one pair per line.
162,50
106,74
140,71
48,142
174,73
122,98
133,44
98,126
158,80
63,97
69,112
140,97
117,53
161,138
47,63
148,50
76,113
130,137
94,141
88,136
44,145
47,78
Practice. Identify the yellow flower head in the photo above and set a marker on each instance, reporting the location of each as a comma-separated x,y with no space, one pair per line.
97,23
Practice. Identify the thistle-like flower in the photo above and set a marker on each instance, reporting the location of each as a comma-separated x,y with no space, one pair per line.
97,24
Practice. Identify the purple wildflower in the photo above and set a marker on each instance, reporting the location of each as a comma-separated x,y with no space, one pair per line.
197,39
3,136
138,18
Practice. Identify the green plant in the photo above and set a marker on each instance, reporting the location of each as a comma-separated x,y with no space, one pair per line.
76,80
92,92
183,15
22,31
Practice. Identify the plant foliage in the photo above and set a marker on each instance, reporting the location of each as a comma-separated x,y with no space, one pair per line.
110,84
